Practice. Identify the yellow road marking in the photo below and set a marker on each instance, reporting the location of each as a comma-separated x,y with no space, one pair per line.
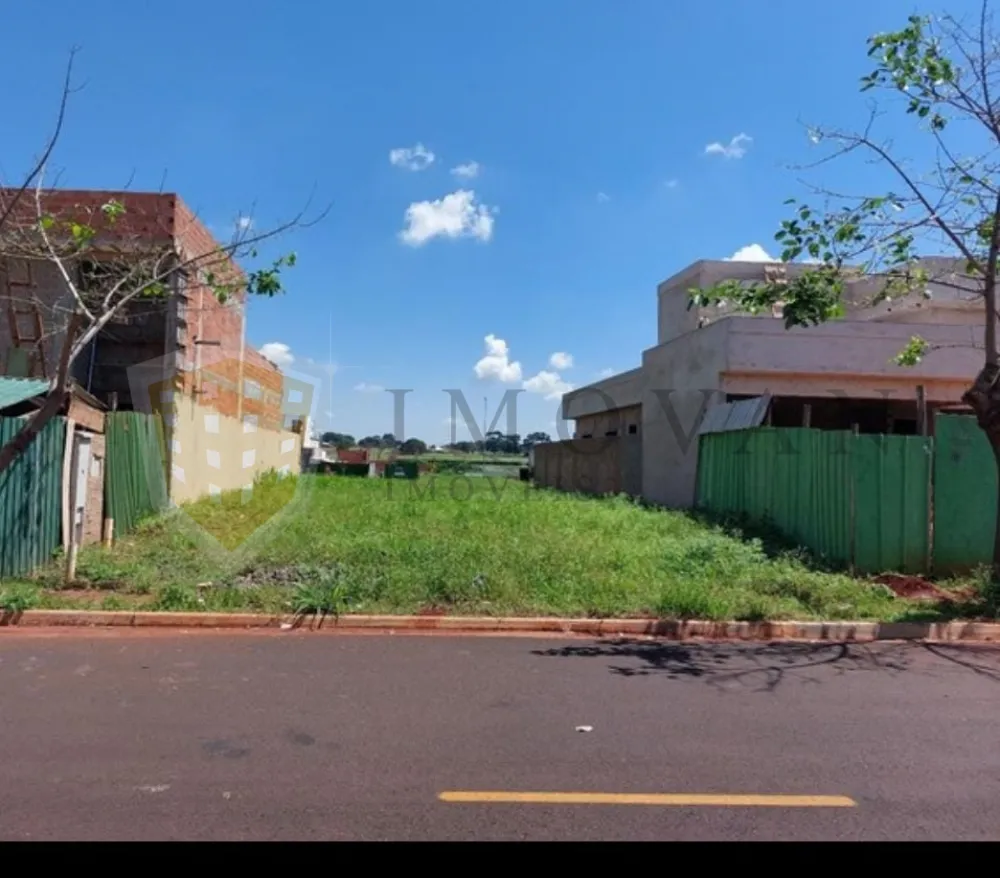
675,799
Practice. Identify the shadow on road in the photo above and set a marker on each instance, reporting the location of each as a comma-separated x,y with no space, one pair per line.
764,667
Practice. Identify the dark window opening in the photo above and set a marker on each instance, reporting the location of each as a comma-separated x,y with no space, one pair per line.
611,433
868,416
587,436
633,429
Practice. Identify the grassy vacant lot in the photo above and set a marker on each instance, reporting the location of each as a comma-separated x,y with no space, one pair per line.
454,544
451,456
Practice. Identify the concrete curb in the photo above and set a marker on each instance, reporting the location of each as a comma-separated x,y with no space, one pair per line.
855,632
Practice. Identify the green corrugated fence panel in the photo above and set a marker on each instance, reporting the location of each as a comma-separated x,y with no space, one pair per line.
806,482
814,469
31,499
892,492
136,484
965,495
797,479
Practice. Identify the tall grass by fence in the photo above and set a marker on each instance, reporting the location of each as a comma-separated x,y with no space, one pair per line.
136,483
861,501
31,499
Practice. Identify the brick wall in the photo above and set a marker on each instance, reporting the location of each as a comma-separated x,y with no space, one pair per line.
149,216
221,325
30,288
36,286
150,219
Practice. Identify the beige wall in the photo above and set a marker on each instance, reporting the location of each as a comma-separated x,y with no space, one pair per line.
953,298
617,392
211,453
853,358
675,318
591,466
682,380
617,420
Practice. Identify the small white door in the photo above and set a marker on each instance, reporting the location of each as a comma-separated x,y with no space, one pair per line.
78,490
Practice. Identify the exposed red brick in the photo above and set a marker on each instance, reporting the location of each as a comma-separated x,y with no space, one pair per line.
157,220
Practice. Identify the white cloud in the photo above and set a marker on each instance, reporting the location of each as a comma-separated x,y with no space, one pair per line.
736,149
605,373
278,353
244,223
548,384
603,198
412,158
457,215
561,360
497,363
365,387
752,253
671,184
467,170
329,369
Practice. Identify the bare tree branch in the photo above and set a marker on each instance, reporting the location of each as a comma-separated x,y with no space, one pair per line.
50,250
67,90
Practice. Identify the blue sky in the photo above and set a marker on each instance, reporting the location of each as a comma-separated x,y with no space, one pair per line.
589,123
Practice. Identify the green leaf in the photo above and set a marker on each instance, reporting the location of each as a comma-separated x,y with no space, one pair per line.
913,353
112,210
82,234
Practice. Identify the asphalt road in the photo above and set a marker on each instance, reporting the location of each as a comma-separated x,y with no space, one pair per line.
133,735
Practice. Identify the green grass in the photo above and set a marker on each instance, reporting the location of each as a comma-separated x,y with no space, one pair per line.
17,597
461,545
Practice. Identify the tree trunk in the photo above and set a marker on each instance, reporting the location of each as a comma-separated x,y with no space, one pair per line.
984,399
26,435
56,399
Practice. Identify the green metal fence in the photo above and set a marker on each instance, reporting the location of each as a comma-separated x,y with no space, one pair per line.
965,495
892,502
135,483
857,500
31,499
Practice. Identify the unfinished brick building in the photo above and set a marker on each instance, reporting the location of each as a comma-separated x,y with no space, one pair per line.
204,339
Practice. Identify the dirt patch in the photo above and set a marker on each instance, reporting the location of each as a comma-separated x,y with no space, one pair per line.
287,576
913,587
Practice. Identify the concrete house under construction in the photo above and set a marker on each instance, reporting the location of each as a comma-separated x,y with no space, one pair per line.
837,375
